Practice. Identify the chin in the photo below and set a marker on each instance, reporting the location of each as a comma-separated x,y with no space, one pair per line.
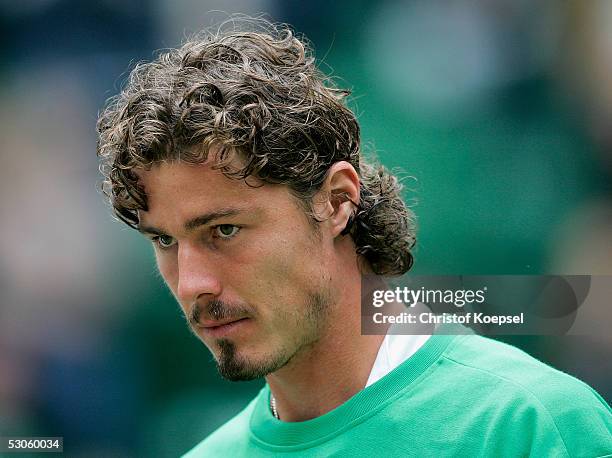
234,366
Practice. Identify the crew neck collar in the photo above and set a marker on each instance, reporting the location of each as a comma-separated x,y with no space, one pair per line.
273,433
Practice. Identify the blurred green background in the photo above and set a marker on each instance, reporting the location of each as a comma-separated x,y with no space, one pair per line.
497,112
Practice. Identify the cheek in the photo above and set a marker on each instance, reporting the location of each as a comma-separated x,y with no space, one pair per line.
168,270
287,268
257,272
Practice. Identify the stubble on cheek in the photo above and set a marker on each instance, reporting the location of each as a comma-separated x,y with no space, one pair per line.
296,331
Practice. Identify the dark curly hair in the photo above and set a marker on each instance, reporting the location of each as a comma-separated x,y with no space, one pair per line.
250,89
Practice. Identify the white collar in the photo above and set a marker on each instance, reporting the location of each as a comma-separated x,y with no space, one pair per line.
393,351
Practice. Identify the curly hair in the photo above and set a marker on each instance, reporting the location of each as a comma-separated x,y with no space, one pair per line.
252,90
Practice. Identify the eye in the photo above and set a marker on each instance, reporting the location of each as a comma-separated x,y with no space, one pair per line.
164,241
226,231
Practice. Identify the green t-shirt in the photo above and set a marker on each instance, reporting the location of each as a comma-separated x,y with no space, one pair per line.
459,396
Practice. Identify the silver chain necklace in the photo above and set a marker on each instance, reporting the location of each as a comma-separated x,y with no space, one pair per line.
273,406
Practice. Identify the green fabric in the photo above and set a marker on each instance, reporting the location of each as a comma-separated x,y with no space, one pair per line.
458,396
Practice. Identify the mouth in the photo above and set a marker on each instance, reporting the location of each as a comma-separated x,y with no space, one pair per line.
222,328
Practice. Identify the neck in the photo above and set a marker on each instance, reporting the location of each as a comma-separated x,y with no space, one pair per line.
328,372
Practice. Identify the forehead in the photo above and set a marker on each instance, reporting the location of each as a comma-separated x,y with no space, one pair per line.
185,179
178,191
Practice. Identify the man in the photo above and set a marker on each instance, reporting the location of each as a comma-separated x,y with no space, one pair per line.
240,162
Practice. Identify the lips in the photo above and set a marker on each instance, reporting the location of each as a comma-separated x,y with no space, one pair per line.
218,319
227,328
217,323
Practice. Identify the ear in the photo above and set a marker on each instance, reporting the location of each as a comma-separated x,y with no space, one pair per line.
338,196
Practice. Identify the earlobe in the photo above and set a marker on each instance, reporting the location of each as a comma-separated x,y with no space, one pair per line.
349,225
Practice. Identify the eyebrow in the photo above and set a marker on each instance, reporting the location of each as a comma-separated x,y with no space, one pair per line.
195,222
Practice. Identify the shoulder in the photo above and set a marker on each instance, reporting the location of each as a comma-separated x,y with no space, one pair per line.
496,360
229,439
532,393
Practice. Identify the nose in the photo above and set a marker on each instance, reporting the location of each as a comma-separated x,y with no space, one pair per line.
197,275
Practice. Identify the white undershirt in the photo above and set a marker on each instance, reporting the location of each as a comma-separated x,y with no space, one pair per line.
393,351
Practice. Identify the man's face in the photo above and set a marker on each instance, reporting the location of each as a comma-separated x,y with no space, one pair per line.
244,262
